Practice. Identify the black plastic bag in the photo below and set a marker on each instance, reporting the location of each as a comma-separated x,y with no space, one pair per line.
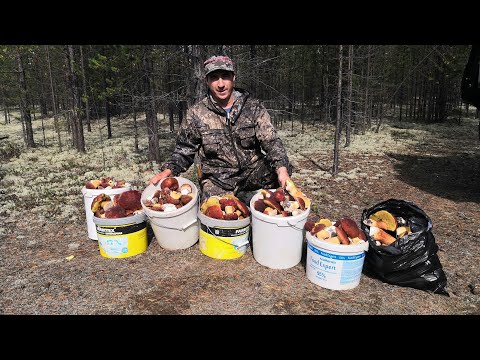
410,261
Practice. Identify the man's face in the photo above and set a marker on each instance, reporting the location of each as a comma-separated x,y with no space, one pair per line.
221,84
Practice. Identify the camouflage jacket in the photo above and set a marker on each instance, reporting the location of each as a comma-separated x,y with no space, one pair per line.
228,145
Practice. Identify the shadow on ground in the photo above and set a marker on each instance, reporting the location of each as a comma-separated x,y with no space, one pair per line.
451,177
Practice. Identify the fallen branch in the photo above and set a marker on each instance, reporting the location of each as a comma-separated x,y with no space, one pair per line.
314,162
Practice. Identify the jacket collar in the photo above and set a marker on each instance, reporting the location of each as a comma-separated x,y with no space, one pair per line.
240,96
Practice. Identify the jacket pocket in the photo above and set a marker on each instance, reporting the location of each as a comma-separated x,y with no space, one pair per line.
247,136
211,143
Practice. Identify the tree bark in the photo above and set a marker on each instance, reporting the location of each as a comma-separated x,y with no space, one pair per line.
77,131
54,105
85,95
350,94
24,105
338,126
367,98
40,82
198,57
150,113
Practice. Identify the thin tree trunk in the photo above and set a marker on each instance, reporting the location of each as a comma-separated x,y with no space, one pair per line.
253,69
171,117
326,85
302,109
338,126
367,99
55,118
24,105
40,82
106,105
84,86
180,112
77,130
150,113
198,89
135,127
350,94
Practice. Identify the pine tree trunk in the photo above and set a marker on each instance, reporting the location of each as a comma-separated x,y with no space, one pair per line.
338,126
150,113
84,86
77,131
326,85
40,82
171,117
54,106
198,57
350,95
24,105
367,99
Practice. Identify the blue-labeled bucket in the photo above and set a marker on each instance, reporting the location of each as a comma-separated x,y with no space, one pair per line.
334,266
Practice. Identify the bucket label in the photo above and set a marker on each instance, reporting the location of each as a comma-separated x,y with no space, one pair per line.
120,229
223,243
225,232
114,247
335,256
119,241
332,269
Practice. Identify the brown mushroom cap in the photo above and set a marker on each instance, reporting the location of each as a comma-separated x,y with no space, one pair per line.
169,182
130,200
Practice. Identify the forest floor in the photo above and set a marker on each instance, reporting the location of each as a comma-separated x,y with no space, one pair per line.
437,167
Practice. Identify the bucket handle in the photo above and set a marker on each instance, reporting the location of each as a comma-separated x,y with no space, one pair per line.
295,226
183,228
235,247
289,224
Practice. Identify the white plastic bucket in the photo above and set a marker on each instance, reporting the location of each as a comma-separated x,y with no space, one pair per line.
176,229
88,196
122,237
334,266
223,239
277,241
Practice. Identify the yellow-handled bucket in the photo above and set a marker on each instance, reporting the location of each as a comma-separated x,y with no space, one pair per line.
122,237
223,239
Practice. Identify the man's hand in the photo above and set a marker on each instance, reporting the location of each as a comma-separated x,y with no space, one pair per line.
283,176
165,173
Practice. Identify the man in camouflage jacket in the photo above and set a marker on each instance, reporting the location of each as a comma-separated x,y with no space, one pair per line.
237,146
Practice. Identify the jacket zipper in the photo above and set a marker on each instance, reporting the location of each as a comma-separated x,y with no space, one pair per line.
233,142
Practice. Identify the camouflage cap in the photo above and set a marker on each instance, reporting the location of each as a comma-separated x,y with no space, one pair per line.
218,63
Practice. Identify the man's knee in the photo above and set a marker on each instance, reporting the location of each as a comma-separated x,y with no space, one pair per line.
208,189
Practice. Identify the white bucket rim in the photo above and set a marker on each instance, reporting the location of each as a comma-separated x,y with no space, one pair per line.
338,248
284,221
226,224
113,191
150,190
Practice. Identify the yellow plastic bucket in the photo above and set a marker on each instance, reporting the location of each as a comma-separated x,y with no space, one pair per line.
223,239
122,237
